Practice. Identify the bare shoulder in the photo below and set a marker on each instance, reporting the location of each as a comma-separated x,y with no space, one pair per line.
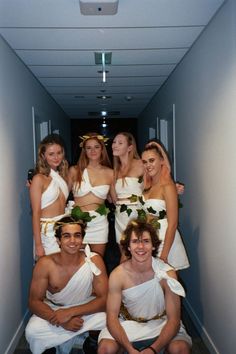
39,178
169,187
118,276
45,265
98,261
109,171
137,166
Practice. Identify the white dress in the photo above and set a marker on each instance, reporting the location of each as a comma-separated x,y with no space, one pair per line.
177,257
49,196
125,188
97,228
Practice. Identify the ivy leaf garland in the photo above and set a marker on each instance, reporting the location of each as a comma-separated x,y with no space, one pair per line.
78,214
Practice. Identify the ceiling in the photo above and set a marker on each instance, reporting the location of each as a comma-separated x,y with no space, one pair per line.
147,38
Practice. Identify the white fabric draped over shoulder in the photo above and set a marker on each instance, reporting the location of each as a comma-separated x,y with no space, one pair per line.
41,335
146,301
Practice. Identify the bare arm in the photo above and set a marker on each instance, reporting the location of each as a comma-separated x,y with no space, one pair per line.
36,191
113,309
98,304
172,303
72,176
38,288
170,196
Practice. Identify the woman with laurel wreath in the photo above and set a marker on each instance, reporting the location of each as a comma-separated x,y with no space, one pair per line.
91,180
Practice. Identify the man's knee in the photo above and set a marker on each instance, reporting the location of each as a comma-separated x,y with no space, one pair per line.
178,347
107,346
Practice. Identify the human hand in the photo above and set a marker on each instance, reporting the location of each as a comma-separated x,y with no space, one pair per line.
60,316
74,324
39,251
180,187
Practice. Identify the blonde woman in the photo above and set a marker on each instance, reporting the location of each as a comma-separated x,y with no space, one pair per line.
48,194
161,202
128,171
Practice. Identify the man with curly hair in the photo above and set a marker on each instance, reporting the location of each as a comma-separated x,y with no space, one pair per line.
143,306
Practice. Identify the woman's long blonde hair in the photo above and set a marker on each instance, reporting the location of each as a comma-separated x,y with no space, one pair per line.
133,154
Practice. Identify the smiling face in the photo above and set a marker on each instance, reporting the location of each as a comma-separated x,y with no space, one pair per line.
141,247
53,155
120,146
71,238
152,162
93,149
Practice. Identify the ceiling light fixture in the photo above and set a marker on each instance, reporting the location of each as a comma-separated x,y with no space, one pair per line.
104,124
104,113
103,58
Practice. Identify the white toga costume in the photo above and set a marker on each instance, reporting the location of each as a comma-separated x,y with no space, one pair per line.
49,196
41,335
146,301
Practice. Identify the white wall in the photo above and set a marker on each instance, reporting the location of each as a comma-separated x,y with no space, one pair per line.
19,91
203,88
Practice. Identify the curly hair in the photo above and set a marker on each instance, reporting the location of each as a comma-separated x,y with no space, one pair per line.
42,165
67,220
83,159
139,227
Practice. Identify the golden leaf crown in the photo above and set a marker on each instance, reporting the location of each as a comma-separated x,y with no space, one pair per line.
87,137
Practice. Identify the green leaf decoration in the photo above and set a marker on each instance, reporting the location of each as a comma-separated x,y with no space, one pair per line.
151,210
155,223
78,214
142,216
162,214
123,208
141,200
133,198
129,211
140,179
102,210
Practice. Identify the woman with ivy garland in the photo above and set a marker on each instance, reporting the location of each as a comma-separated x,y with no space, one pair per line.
91,180
160,204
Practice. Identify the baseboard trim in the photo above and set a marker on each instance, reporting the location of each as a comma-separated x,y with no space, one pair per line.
200,328
19,332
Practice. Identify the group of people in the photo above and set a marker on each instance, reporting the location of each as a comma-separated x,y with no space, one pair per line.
146,219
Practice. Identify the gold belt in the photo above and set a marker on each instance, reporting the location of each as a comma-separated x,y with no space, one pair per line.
127,316
46,223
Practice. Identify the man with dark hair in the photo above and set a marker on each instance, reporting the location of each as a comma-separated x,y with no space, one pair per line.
143,305
68,292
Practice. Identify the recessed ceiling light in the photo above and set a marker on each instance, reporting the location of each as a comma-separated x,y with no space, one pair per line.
103,97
